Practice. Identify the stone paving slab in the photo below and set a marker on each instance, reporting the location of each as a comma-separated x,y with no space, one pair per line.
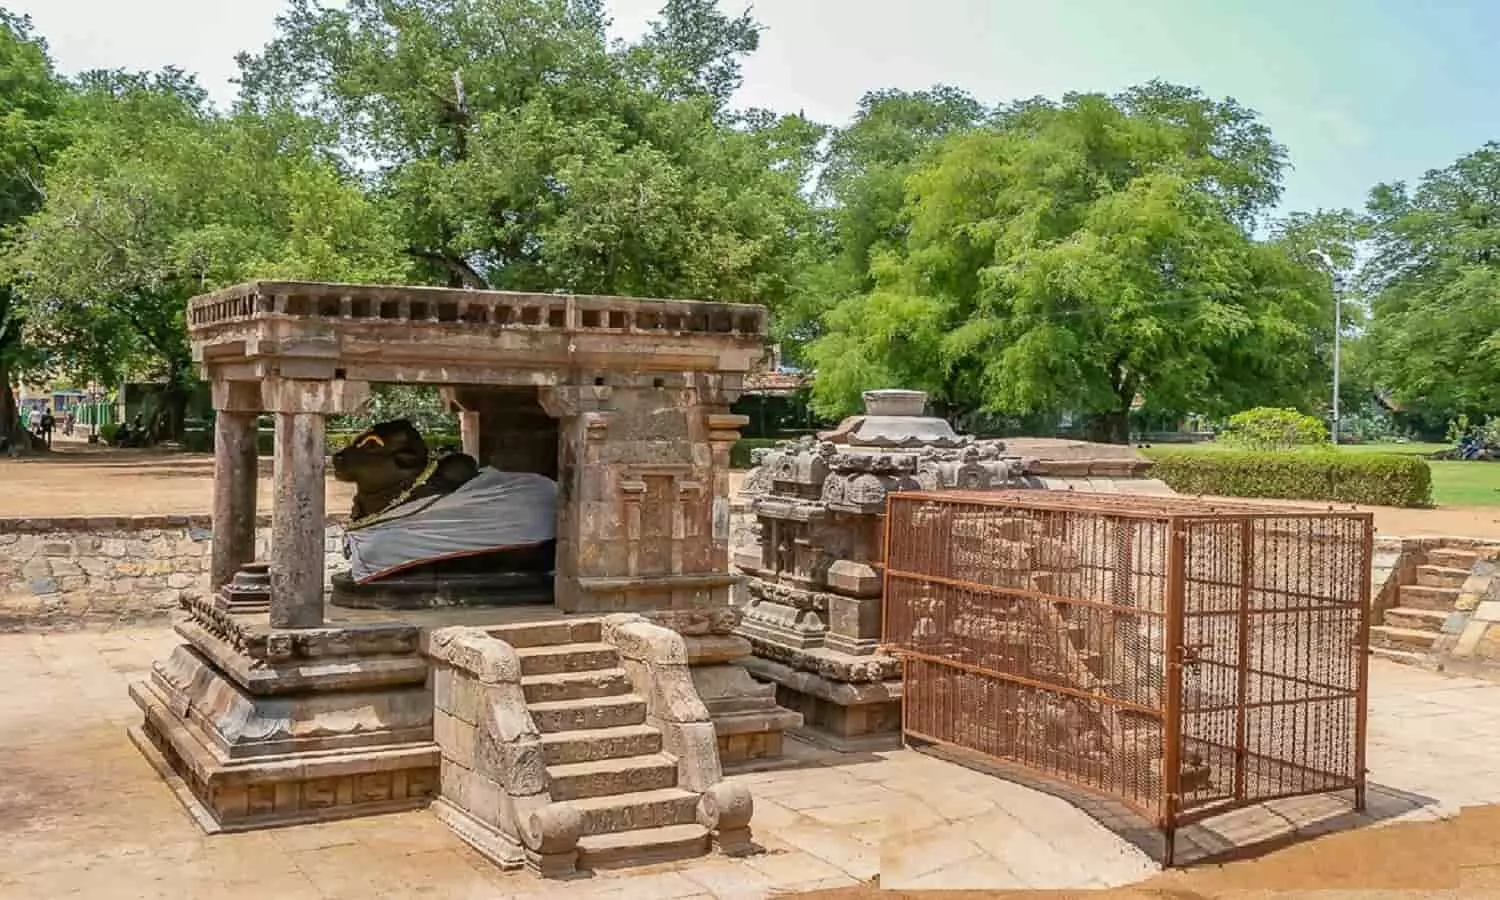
83,815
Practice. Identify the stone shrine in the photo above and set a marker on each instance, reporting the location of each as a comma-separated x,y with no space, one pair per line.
279,708
811,545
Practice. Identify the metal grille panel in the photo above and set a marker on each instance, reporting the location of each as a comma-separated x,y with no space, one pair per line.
1184,657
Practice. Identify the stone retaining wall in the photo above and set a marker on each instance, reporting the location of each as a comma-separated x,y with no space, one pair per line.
66,572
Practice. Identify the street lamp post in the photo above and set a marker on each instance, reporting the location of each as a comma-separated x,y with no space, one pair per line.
1338,331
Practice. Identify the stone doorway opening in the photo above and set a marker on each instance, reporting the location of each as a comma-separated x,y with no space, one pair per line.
510,436
507,428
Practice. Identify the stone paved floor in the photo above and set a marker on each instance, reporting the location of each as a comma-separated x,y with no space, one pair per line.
83,815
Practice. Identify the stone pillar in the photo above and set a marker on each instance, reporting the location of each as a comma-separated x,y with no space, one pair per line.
298,518
468,428
582,552
297,522
236,406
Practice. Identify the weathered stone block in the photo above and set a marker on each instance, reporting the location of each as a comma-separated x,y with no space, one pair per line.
455,738
854,578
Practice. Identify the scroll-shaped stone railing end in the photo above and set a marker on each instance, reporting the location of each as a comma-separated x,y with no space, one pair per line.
725,810
508,753
656,661
550,834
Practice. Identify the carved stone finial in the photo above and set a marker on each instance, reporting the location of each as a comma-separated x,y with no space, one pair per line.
894,402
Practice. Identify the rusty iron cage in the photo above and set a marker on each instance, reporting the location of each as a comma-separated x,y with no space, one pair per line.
1184,657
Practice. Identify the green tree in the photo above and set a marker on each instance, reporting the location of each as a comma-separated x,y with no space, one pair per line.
159,198
1434,279
862,192
32,100
520,150
1080,256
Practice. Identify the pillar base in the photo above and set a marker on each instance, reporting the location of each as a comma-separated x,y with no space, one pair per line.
257,728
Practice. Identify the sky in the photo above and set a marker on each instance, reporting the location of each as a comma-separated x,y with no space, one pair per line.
1360,91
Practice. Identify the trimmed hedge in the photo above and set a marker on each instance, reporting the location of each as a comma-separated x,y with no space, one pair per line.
1379,479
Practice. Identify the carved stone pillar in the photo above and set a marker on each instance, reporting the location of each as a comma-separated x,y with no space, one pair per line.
583,549
298,517
297,522
236,405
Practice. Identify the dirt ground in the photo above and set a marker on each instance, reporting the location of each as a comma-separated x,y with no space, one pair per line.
1459,857
79,480
83,480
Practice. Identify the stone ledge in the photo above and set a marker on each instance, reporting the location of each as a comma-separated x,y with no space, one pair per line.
842,693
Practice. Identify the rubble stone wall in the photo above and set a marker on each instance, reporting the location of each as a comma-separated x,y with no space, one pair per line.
66,572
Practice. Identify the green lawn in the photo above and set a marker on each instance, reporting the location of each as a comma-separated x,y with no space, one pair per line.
1453,483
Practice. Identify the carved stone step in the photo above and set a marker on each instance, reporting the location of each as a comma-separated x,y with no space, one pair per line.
563,747
549,634
1418,619
1452,558
1416,596
1441,576
575,685
596,712
567,658
644,809
1405,657
1402,638
574,781
642,846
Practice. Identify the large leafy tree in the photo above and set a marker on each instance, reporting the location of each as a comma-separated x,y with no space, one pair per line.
861,189
159,198
521,150
32,129
1434,279
1082,255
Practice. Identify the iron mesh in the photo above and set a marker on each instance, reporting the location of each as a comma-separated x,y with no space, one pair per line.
1184,657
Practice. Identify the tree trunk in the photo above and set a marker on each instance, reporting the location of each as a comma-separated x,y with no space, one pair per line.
1112,427
9,420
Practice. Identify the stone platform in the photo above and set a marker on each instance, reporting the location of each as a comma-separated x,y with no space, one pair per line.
256,727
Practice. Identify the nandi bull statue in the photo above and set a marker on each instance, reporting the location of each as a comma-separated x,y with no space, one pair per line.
436,529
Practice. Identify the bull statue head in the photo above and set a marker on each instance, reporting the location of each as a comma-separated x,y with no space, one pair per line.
390,464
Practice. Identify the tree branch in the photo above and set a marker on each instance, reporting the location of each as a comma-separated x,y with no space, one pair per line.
457,268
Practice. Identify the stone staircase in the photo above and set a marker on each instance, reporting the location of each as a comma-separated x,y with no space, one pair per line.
601,755
1409,630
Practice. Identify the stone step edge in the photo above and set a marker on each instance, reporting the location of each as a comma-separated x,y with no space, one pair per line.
524,635
1396,634
640,761
546,706
1437,616
643,846
634,798
579,647
597,734
581,675
590,683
